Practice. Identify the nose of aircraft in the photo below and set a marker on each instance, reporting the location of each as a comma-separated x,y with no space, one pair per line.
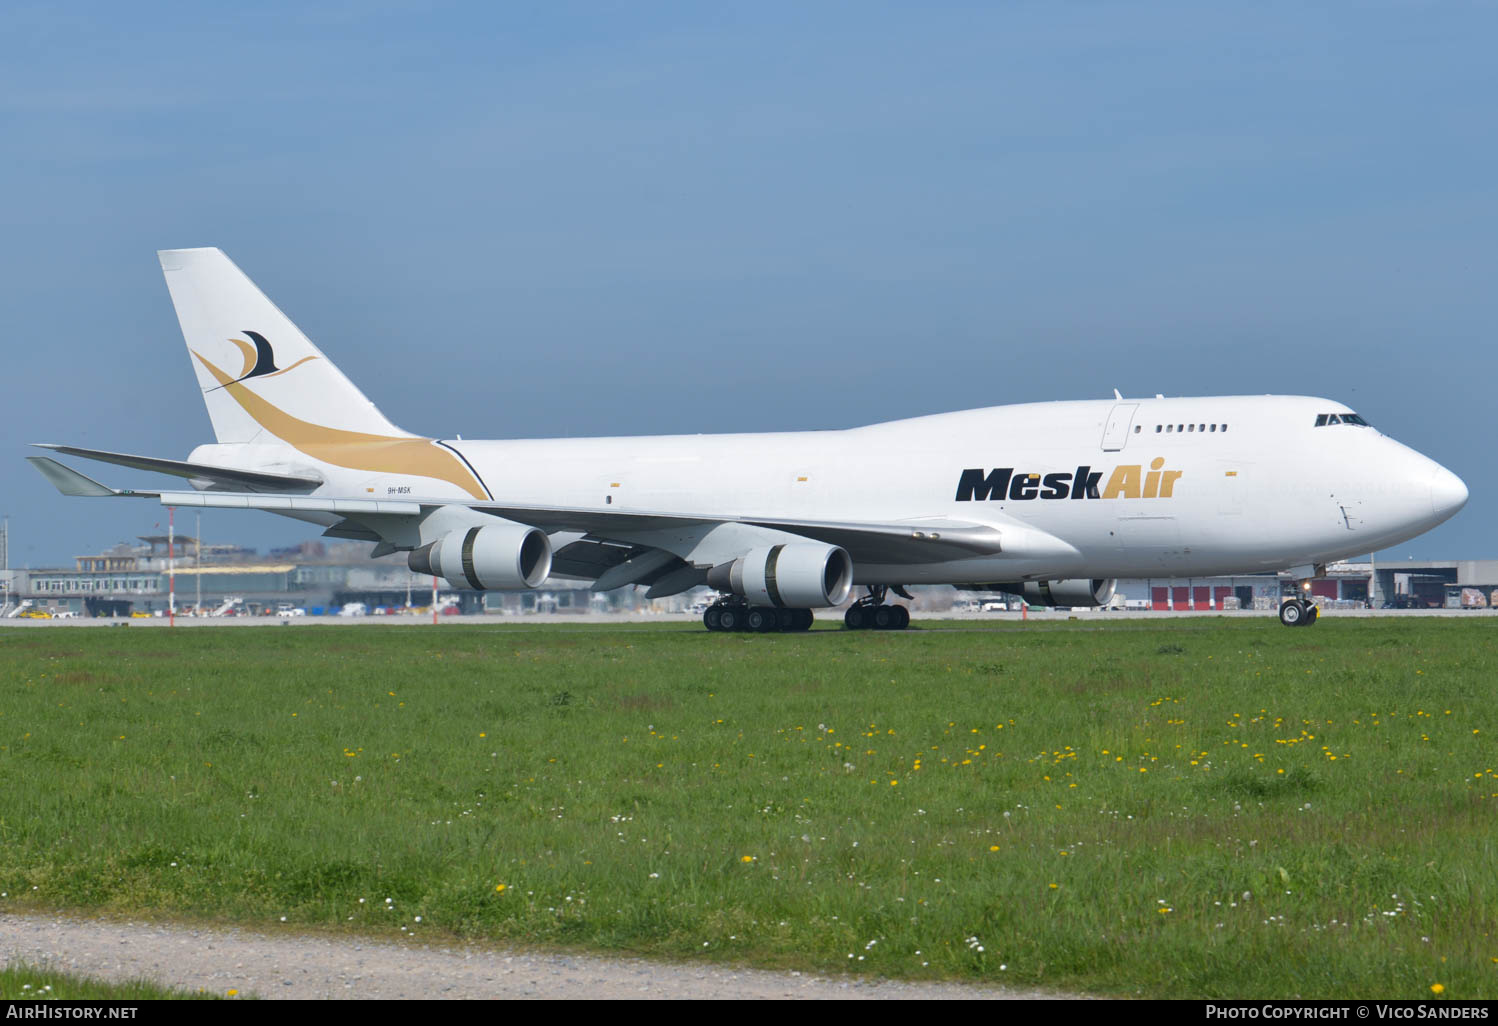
1447,493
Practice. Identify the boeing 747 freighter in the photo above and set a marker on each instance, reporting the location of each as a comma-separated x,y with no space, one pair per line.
1051,501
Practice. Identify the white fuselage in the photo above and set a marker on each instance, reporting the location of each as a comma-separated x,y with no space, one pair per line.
1179,487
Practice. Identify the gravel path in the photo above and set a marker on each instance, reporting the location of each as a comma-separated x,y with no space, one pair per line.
310,967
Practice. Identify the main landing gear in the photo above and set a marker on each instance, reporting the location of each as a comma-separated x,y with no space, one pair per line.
870,612
737,615
1297,613
732,613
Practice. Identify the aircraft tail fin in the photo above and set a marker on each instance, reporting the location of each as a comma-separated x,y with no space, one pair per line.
262,379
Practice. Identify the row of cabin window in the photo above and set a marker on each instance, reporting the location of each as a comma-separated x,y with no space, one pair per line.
1172,428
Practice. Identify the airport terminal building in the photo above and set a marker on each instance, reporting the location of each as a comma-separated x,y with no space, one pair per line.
316,578
1432,584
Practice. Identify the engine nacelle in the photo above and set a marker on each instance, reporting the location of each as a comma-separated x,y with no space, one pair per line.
1082,592
797,575
495,556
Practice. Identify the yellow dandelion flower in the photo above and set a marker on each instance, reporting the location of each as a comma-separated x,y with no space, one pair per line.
1436,988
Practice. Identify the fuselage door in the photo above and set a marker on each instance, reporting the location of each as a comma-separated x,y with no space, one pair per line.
1116,434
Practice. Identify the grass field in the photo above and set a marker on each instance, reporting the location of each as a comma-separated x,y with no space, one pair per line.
40,983
1186,807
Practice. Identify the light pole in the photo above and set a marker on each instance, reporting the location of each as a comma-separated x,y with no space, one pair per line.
171,566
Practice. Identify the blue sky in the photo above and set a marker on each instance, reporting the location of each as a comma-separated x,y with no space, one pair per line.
535,219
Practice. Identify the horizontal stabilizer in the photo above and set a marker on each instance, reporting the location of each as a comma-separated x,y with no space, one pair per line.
250,480
67,480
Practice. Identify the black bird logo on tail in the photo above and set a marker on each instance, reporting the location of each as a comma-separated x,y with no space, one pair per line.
265,357
259,359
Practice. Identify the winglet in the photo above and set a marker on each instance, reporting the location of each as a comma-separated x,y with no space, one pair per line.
69,481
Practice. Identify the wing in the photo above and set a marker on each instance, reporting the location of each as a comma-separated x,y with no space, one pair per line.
922,540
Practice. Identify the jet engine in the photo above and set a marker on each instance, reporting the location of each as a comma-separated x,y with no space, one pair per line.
1083,592
495,556
798,575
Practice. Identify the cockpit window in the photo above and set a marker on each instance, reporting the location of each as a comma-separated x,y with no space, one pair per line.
1324,419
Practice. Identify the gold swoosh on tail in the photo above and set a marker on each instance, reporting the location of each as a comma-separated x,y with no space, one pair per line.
352,449
249,355
293,367
249,361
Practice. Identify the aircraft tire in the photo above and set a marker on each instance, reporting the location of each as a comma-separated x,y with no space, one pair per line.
1312,614
730,619
856,618
761,619
805,620
904,616
713,619
1293,613
885,618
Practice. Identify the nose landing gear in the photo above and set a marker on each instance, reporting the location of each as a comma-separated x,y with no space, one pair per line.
1300,609
1297,613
